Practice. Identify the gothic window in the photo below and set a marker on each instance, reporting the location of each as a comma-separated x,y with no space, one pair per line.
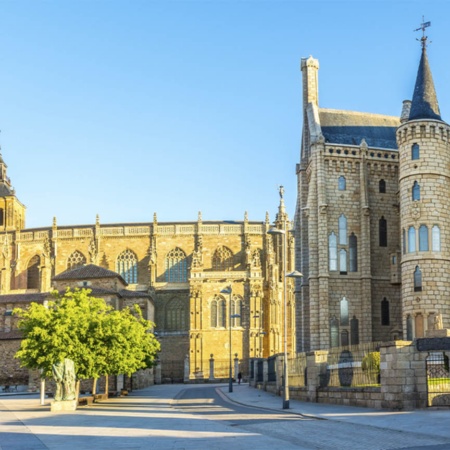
344,338
354,330
33,273
76,259
236,310
342,183
176,266
435,239
404,241
344,311
334,332
416,191
126,265
382,226
385,318
353,247
382,186
223,259
343,261
342,230
411,239
418,326
2,217
218,312
423,238
332,249
409,329
176,316
417,279
415,151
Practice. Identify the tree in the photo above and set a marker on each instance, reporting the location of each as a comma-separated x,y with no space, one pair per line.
99,339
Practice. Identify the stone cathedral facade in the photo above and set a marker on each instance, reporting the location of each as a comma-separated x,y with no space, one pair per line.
372,219
174,271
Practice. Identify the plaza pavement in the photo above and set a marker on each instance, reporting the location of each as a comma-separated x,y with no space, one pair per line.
25,424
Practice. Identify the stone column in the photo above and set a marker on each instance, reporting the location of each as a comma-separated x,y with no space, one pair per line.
211,368
316,367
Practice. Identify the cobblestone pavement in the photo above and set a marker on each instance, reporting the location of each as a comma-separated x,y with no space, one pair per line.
191,417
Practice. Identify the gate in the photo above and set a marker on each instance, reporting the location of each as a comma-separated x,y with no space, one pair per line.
438,379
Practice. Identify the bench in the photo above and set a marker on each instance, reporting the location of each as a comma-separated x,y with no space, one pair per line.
98,397
86,401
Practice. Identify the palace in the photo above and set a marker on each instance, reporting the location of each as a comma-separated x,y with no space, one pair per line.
372,219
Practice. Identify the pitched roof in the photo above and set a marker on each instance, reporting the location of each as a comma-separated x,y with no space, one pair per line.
125,293
86,272
38,297
350,128
424,104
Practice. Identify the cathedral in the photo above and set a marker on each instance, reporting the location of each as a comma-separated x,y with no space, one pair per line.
372,222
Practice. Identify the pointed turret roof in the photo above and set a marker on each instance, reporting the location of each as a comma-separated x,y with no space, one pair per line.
424,103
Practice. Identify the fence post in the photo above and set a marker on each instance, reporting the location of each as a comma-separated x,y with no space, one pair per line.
236,366
186,369
316,367
211,368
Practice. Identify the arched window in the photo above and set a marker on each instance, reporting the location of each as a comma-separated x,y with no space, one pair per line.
416,191
344,338
411,239
382,186
415,151
126,265
2,217
334,332
176,318
223,259
382,227
218,312
354,330
343,261
33,272
332,250
409,328
76,259
353,247
385,318
344,311
404,241
342,184
342,230
176,266
435,239
236,310
423,238
417,279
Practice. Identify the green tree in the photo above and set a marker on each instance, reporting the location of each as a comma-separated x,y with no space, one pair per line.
99,339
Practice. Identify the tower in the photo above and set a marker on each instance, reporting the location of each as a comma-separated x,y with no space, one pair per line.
424,186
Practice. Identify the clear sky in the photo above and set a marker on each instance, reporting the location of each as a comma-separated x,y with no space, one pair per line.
124,108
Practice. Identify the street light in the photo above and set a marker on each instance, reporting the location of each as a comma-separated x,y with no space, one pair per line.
294,274
229,291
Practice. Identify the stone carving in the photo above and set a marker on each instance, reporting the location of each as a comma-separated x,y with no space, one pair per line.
47,247
256,258
438,322
64,375
93,251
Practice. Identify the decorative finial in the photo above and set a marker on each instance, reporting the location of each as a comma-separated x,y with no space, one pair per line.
423,39
54,221
281,190
246,216
97,220
267,217
155,218
200,216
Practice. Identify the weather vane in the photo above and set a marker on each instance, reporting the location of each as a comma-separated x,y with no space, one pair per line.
422,27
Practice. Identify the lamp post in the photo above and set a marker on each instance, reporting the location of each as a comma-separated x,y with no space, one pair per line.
229,291
294,274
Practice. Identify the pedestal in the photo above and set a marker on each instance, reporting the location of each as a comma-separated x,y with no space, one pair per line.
63,405
438,333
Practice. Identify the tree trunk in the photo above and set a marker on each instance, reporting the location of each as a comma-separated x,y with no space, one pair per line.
106,384
94,386
77,390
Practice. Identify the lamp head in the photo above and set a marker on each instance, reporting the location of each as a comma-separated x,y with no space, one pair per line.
294,274
226,290
275,230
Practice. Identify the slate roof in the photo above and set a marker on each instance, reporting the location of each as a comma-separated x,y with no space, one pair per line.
350,128
86,272
125,293
38,297
424,104
5,190
9,335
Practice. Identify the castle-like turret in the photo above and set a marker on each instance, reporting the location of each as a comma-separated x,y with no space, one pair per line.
424,185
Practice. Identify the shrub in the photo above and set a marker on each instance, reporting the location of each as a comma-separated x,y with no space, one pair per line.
371,362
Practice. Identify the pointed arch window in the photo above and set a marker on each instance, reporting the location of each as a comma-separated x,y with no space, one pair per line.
342,183
76,259
354,330
342,261
385,317
382,226
416,191
404,241
176,318
435,239
411,239
382,187
176,266
33,272
334,332
223,259
2,220
423,238
409,328
344,338
236,310
417,279
218,312
126,265
342,230
332,250
344,311
353,247
415,151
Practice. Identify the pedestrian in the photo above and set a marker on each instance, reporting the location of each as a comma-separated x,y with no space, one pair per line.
239,377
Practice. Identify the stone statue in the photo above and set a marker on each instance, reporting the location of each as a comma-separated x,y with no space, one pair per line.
64,375
438,322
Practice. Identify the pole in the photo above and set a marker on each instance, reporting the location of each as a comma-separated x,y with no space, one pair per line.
285,361
230,384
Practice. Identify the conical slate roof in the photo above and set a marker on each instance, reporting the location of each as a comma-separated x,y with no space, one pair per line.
424,103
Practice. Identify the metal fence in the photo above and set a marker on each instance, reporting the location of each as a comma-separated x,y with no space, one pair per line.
172,371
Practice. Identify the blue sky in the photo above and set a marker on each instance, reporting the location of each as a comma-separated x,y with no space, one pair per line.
124,108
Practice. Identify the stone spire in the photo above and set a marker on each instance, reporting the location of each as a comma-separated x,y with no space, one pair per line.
424,103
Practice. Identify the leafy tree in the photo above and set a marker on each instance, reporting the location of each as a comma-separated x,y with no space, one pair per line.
99,339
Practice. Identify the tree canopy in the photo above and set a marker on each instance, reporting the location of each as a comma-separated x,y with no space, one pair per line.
99,339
